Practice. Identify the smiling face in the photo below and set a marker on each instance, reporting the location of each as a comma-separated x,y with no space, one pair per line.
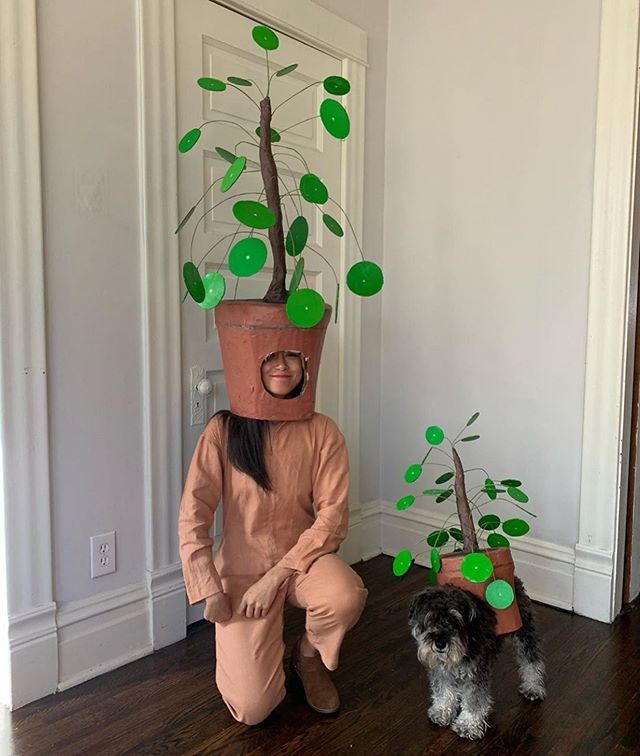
282,372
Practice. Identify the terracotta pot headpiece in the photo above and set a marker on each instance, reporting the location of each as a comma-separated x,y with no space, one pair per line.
249,331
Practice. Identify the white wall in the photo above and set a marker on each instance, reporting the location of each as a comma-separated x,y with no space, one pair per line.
489,167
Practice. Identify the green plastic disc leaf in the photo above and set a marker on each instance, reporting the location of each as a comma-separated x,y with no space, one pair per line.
365,278
265,38
275,136
225,154
499,594
497,540
193,282
517,494
436,562
476,567
287,70
473,418
405,502
456,534
444,496
297,275
470,438
437,538
515,527
432,577
434,491
305,308
254,214
434,435
247,257
239,81
511,483
332,224
234,171
402,562
189,139
312,189
490,489
185,219
214,287
444,478
213,85
489,521
412,473
337,85
297,236
335,118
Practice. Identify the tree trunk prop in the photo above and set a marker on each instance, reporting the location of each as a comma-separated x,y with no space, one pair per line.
470,542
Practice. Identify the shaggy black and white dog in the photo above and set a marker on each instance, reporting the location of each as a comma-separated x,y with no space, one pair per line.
457,643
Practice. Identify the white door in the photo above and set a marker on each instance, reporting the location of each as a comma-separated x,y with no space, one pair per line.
215,42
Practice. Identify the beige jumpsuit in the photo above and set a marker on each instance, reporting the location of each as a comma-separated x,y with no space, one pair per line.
308,464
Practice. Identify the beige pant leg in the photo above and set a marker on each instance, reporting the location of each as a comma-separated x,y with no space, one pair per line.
334,597
249,655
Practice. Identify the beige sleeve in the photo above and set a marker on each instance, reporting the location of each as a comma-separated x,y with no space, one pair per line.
200,498
331,498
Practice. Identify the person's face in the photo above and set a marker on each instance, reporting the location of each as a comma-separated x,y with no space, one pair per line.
281,372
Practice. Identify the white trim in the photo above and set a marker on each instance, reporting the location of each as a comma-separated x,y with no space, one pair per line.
602,501
29,644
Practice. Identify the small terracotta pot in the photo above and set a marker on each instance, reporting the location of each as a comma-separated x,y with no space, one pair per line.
249,330
508,619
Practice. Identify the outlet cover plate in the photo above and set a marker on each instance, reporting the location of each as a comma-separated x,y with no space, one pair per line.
103,554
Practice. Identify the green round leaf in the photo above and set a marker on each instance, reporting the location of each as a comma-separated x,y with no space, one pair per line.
297,236
436,562
225,154
365,278
511,483
499,594
434,435
239,81
213,85
470,438
497,540
431,577
412,473
405,502
214,288
434,491
189,139
336,85
444,477
473,418
489,521
490,489
456,534
297,275
332,224
305,308
287,70
402,562
312,189
247,256
254,214
193,282
185,219
444,496
234,171
476,567
264,37
437,538
335,118
515,527
517,494
275,136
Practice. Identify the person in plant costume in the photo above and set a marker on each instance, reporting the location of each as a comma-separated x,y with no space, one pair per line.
280,468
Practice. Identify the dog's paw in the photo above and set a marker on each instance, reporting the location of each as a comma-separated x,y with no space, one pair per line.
533,691
441,716
468,726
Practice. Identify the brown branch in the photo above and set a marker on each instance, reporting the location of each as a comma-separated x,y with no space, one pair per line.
470,542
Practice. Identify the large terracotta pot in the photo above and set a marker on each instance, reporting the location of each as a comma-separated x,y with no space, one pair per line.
250,329
508,619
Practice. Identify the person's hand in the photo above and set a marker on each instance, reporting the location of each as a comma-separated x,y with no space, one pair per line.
217,608
258,599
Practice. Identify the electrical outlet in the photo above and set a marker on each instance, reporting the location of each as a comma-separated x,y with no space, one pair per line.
103,554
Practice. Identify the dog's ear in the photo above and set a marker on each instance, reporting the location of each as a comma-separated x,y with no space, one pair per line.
470,612
418,605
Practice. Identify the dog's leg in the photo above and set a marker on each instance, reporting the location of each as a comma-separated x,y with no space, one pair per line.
526,646
476,704
445,697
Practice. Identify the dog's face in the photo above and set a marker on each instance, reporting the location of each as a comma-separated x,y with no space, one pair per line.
440,619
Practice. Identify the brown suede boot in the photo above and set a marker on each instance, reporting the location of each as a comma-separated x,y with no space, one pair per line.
320,692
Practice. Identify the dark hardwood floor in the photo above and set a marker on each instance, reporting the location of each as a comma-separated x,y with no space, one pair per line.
167,703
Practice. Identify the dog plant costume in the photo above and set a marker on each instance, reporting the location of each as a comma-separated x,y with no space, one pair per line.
307,461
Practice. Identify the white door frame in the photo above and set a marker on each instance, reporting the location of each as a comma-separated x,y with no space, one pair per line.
160,292
610,330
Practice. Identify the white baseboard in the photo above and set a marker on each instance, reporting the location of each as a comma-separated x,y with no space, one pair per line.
593,586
